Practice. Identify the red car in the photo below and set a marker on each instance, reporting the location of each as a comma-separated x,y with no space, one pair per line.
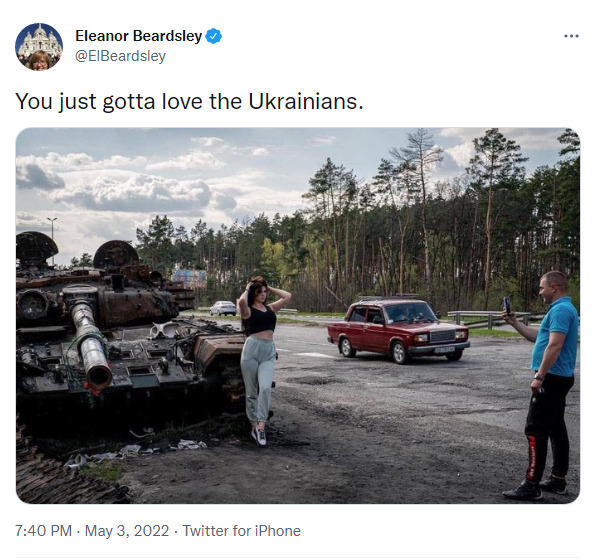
401,328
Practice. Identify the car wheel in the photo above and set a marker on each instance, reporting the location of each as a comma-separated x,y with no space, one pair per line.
454,356
398,353
346,348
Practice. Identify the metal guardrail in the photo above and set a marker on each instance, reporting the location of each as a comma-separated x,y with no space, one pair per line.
492,316
206,309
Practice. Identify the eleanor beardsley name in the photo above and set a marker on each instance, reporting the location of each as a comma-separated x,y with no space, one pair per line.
138,35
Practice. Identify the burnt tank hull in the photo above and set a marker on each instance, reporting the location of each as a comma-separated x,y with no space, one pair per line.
106,349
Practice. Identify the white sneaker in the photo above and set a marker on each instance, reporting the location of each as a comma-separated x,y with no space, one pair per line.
261,440
254,433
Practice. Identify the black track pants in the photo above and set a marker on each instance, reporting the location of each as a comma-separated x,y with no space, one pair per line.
545,422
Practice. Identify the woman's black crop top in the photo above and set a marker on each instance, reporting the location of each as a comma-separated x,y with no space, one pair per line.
260,321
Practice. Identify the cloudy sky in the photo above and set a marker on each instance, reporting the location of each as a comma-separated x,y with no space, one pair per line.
103,183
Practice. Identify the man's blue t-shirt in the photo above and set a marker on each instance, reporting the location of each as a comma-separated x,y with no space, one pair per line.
561,317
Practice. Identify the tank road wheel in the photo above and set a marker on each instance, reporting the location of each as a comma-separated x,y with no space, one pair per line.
346,348
398,353
454,356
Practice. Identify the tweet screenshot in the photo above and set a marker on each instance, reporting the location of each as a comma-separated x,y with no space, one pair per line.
298,280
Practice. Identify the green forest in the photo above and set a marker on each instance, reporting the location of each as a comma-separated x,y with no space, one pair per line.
461,243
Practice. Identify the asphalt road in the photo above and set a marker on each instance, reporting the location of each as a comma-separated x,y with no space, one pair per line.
365,430
489,384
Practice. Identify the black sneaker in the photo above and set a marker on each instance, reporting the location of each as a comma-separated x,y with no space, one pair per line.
554,485
524,492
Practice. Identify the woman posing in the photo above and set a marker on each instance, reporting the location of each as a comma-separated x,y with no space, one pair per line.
259,352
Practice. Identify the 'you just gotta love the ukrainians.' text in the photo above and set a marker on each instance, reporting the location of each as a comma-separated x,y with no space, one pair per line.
164,101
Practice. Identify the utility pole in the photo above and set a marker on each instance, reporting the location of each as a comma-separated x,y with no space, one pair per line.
52,220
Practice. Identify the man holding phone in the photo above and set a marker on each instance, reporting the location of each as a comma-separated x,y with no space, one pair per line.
553,362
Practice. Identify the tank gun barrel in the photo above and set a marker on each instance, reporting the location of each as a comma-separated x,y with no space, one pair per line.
91,347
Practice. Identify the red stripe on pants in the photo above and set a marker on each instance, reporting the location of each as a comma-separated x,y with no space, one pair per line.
531,471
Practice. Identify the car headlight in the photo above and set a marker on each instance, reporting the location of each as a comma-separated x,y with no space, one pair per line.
460,334
421,338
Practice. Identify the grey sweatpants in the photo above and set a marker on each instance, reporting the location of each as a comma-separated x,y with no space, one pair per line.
257,364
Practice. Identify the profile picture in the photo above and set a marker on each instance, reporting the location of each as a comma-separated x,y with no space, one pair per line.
38,47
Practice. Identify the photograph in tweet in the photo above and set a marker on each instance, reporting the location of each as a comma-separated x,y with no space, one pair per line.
380,257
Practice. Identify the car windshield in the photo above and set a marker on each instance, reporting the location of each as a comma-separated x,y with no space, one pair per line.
409,312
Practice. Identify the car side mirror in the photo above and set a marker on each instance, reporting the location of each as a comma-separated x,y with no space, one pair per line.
378,320
438,315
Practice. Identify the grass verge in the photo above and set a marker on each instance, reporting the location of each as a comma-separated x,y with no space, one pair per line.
493,333
108,470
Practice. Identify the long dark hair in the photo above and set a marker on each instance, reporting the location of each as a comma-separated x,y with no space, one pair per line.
257,283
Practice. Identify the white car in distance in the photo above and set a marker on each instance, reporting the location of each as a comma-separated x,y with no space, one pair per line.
220,308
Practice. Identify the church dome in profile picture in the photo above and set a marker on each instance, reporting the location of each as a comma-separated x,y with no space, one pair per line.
38,46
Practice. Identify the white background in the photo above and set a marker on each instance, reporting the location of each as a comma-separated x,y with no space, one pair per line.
431,64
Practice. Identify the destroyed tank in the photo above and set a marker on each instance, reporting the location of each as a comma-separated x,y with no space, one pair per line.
105,348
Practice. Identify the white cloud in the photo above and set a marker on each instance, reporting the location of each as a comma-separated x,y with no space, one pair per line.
527,138
219,146
25,220
462,134
135,192
64,163
534,138
544,139
252,197
462,153
323,140
196,160
70,162
31,175
224,201
208,142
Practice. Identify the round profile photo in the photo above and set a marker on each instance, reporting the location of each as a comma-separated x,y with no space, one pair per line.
38,47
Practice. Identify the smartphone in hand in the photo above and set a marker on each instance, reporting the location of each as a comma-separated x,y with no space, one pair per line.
506,305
